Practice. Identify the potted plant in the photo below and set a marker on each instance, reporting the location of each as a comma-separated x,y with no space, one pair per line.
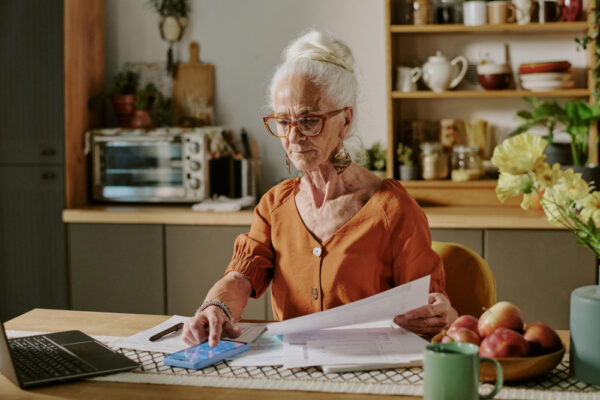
375,160
407,171
172,23
125,84
577,118
569,202
144,98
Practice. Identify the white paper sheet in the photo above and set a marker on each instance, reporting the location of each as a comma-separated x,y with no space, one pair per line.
385,305
266,350
172,343
352,346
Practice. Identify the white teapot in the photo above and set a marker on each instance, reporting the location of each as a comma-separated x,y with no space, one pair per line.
437,72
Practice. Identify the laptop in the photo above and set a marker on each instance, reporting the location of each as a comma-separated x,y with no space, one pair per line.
56,357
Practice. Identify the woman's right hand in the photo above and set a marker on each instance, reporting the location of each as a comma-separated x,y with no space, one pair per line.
212,324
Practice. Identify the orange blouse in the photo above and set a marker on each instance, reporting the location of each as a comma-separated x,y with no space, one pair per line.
385,244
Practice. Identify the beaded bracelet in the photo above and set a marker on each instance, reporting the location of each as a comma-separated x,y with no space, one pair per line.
219,304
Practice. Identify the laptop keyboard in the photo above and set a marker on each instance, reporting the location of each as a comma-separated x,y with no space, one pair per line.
37,358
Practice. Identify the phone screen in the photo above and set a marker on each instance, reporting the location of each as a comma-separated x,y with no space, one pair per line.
203,351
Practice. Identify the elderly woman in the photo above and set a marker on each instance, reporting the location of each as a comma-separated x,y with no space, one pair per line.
337,234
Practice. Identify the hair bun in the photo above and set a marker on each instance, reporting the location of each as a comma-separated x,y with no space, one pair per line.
318,46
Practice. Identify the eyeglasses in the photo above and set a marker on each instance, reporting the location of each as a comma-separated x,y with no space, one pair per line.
308,125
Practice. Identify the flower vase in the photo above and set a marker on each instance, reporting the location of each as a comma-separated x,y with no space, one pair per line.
584,353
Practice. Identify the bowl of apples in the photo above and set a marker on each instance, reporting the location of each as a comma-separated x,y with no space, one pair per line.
525,351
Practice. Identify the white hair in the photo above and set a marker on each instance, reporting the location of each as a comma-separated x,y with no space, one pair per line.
329,64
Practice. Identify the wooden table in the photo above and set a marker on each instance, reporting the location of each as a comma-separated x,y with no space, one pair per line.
113,324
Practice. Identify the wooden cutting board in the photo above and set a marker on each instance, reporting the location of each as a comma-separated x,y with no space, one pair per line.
193,90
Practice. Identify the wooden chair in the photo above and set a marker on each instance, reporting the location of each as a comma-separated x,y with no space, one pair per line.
470,283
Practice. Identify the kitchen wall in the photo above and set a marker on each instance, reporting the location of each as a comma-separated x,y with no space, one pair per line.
244,40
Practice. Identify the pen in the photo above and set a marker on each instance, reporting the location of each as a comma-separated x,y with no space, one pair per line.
160,334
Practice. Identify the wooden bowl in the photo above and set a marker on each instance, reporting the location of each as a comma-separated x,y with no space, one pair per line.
517,368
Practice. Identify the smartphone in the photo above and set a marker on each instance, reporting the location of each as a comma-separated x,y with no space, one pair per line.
202,355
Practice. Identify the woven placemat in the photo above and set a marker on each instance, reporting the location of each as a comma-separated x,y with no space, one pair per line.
557,384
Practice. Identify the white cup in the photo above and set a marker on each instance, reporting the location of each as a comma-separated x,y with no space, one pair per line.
406,78
475,13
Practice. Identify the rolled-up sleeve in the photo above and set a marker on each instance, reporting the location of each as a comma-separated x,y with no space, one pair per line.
253,255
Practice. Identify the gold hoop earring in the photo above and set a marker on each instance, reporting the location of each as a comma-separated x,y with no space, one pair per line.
340,160
287,163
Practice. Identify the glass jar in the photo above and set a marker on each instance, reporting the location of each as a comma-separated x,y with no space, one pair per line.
466,163
434,162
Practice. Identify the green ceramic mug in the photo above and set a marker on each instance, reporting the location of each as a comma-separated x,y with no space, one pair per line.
452,372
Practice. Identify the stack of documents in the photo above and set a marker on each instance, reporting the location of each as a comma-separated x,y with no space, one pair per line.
355,336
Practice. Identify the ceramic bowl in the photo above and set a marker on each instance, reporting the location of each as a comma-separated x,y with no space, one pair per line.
517,368
550,66
494,76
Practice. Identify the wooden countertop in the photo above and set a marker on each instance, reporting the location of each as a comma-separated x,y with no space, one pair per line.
439,217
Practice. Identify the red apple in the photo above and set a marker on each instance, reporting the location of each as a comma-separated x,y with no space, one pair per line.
504,342
465,321
501,315
447,339
542,338
464,335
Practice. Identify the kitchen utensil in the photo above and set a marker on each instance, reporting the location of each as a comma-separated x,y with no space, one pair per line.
193,90
474,13
523,10
439,73
406,78
494,76
451,371
500,12
542,86
547,76
547,66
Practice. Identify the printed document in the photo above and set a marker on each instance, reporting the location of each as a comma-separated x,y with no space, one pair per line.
173,343
383,306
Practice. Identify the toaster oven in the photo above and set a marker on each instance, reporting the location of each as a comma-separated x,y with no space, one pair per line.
167,165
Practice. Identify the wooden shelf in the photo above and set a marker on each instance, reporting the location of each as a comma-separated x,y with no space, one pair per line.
447,183
580,26
485,94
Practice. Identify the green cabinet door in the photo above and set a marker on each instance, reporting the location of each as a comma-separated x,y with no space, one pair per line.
196,258
117,268
538,269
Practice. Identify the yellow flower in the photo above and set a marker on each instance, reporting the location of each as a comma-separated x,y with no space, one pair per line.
591,208
576,187
519,154
556,205
546,176
510,185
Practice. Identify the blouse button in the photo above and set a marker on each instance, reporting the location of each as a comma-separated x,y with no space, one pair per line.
315,293
317,252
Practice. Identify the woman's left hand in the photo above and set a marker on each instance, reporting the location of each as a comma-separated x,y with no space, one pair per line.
429,319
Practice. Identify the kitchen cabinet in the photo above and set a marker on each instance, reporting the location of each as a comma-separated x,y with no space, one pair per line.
196,258
32,252
117,268
410,45
31,82
538,269
32,247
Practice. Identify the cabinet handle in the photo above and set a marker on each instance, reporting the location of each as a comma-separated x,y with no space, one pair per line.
48,151
48,176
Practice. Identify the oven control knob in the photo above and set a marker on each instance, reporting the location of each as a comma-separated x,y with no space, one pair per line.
195,147
195,183
194,165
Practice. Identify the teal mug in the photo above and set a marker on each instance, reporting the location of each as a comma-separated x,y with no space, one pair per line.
452,372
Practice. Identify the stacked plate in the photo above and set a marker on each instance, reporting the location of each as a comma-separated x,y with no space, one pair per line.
545,76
